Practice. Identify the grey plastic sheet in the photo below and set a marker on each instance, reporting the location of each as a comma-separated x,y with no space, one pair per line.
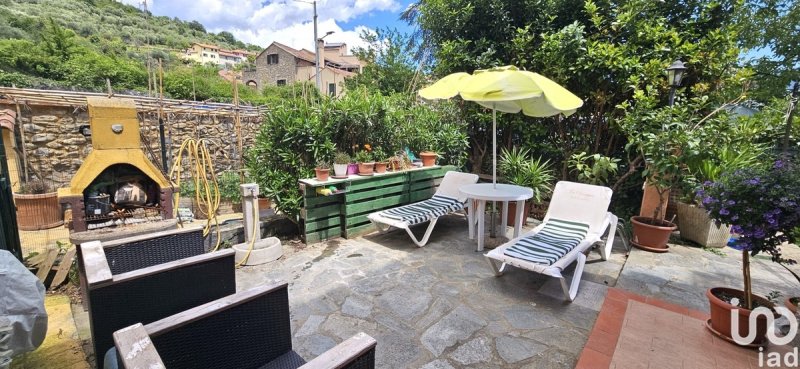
23,319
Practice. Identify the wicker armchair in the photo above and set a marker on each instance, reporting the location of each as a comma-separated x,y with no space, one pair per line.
144,279
248,330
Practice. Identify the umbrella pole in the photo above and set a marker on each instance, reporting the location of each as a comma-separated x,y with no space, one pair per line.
494,146
493,223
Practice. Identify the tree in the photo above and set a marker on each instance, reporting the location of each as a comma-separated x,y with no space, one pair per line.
603,51
772,28
390,65
197,26
57,40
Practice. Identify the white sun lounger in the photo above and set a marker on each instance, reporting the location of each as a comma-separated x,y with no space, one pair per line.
576,220
446,200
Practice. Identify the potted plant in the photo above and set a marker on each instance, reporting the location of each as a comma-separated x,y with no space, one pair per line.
381,162
517,167
428,158
322,170
661,136
762,205
230,193
365,162
340,163
37,207
695,223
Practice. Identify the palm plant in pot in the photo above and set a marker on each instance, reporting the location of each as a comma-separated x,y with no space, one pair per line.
516,166
762,205
340,162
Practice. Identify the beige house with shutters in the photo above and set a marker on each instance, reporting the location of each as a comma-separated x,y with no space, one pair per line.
280,65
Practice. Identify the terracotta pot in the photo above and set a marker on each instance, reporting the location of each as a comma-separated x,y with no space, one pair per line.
38,211
322,174
512,212
264,203
352,168
789,305
340,170
380,167
652,233
721,315
428,158
365,168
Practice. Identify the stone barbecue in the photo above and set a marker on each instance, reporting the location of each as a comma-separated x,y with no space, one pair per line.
116,185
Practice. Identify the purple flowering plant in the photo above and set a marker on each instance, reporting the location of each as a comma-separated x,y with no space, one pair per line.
762,205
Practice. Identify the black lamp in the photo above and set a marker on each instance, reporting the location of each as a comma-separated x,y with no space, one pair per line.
675,74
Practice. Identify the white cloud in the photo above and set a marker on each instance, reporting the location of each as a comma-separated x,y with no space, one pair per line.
285,21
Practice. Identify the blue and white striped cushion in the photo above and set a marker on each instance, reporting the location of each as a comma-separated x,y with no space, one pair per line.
426,210
556,239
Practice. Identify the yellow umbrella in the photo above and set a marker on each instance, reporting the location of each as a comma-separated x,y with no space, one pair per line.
508,90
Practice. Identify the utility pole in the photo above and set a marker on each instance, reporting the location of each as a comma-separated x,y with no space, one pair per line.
316,49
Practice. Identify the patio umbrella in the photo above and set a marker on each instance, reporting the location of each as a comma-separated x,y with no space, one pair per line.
508,90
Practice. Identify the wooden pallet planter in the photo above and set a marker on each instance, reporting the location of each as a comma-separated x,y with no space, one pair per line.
53,260
345,214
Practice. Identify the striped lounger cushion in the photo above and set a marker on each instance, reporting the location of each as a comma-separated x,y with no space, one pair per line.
426,210
556,239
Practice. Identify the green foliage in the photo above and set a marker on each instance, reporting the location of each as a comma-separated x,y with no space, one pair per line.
363,156
293,137
229,186
603,51
594,169
390,66
72,44
518,167
342,158
299,132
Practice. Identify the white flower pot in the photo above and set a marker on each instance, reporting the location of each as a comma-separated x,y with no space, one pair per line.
340,170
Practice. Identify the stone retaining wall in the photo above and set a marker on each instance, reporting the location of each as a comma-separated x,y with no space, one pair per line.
56,148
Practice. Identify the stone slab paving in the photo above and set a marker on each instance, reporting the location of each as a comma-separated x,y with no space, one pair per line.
439,306
683,275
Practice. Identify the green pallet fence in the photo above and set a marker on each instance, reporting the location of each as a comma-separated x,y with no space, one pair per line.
344,214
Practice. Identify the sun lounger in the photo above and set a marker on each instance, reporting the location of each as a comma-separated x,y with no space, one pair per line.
575,221
446,200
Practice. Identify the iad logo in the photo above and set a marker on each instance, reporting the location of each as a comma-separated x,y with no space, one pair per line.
773,359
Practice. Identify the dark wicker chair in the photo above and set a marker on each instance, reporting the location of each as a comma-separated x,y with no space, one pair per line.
144,279
248,330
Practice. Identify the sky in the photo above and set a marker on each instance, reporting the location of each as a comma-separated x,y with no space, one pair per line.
286,21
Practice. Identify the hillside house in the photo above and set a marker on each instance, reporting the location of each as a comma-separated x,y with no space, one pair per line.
205,53
280,65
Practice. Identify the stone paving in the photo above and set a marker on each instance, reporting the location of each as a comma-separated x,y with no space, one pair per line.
435,307
683,275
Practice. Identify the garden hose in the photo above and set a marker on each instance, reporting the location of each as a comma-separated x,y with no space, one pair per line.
256,228
206,192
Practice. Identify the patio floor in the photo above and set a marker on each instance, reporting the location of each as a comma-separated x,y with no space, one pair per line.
440,306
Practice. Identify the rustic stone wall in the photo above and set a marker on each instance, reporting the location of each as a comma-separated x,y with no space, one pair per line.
55,147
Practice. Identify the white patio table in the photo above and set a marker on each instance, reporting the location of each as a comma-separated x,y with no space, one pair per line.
480,193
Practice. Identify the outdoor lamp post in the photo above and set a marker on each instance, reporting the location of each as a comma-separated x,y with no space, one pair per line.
675,75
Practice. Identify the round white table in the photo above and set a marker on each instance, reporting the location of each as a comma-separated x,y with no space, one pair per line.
480,193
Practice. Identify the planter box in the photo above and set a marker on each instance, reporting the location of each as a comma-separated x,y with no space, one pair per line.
696,226
344,214
38,211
